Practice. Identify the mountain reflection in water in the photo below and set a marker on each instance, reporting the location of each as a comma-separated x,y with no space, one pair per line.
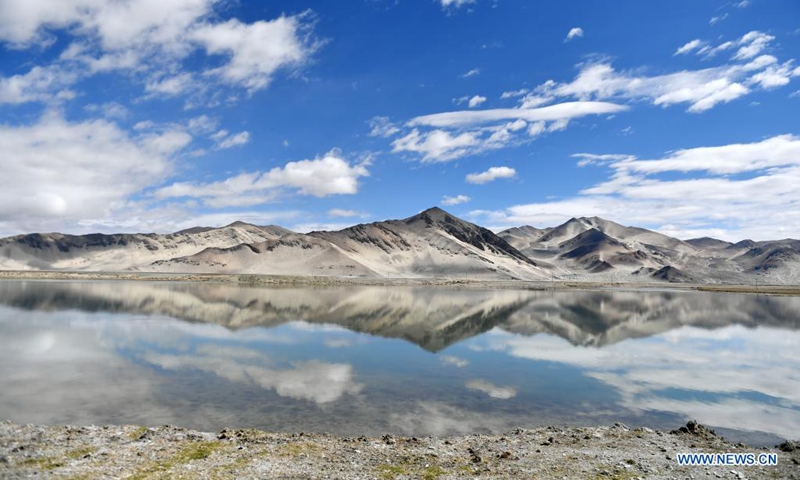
345,359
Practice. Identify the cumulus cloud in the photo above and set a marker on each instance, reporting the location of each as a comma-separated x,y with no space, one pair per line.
328,175
151,42
457,200
437,145
749,69
476,101
39,84
170,85
597,89
63,171
256,51
110,110
752,44
576,32
492,174
734,191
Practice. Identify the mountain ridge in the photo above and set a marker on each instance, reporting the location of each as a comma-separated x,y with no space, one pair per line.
431,243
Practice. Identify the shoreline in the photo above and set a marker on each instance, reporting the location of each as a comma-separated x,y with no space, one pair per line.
548,452
303,280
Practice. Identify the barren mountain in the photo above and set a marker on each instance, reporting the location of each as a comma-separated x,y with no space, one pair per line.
432,243
55,251
598,249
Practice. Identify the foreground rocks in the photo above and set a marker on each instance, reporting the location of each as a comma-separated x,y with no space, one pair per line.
615,452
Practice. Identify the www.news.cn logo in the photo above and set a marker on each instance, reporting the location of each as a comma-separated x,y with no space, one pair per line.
728,459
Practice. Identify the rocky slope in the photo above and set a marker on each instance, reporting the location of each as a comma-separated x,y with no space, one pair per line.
431,244
98,252
595,249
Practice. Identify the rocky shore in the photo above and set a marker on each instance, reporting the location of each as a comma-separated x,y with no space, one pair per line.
615,452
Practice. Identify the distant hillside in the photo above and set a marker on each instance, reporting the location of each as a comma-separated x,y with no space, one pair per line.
432,243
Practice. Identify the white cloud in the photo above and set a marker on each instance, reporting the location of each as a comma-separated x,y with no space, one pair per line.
116,24
201,125
471,73
537,128
110,110
226,140
717,19
56,171
339,212
693,45
461,133
748,70
549,113
39,84
256,50
493,173
760,204
382,127
437,145
752,44
457,200
149,39
476,101
329,175
514,93
598,89
170,85
576,32
455,3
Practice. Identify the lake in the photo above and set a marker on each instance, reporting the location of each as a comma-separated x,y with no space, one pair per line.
411,361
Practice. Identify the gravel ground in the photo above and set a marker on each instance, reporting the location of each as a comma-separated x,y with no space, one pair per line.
168,452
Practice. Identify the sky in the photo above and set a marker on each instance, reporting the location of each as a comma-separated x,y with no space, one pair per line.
153,116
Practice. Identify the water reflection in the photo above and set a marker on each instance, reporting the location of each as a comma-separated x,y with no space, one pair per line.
345,360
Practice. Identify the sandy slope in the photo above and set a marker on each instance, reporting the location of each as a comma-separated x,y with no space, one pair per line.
431,244
55,251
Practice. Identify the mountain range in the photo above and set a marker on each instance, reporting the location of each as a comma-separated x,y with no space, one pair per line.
432,243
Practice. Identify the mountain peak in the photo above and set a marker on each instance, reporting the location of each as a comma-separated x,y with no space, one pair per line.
238,223
433,215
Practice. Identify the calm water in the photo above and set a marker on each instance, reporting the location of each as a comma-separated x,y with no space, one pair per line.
368,360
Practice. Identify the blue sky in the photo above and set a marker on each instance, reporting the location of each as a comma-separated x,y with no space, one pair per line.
144,115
